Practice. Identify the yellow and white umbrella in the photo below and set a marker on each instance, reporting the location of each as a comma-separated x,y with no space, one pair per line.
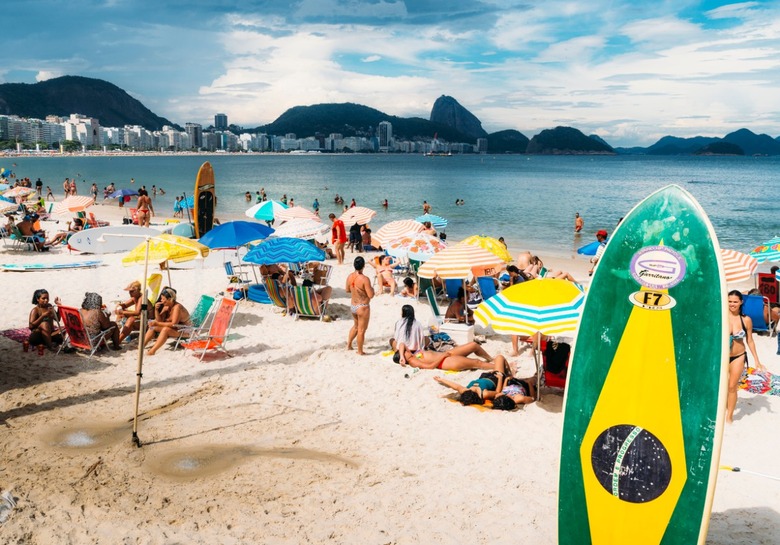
738,266
357,214
395,230
167,248
550,306
492,245
460,261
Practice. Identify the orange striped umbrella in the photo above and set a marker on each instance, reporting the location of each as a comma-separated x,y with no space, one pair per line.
460,261
357,214
74,203
295,212
396,229
738,266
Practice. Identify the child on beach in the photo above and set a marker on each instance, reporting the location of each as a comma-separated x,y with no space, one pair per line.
41,321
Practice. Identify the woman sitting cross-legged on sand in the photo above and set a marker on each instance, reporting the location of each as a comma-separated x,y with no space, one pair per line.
41,321
455,359
96,320
410,334
505,391
168,315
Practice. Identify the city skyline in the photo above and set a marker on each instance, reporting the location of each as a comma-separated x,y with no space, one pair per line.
627,73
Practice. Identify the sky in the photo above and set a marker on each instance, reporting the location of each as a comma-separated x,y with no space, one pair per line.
628,71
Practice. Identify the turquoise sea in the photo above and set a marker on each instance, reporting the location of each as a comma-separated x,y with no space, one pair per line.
529,200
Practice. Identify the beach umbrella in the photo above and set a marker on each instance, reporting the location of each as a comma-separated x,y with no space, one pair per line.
738,266
3,187
233,234
550,306
122,193
396,229
295,212
768,251
589,249
163,248
492,245
73,204
18,191
265,211
460,261
357,214
284,250
436,221
8,207
301,228
417,246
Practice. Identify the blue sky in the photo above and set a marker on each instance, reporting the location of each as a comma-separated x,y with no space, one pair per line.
628,71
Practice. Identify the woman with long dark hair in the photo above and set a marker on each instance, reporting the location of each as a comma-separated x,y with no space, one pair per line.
409,333
740,334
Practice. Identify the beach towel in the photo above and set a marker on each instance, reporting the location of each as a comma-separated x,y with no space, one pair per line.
760,382
19,335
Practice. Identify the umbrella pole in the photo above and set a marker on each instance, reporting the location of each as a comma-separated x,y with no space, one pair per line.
187,207
141,337
538,363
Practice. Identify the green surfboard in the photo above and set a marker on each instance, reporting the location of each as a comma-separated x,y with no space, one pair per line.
645,397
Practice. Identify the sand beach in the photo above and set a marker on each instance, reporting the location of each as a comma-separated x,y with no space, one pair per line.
294,439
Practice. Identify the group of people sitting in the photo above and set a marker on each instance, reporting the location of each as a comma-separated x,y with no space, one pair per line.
311,275
411,346
166,316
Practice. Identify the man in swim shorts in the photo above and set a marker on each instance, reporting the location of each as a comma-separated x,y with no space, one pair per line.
338,237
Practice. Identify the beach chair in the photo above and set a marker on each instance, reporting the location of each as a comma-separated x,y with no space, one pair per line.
217,335
30,241
321,273
76,335
153,285
94,222
199,318
237,278
277,292
133,215
305,303
438,316
487,287
452,285
555,363
753,306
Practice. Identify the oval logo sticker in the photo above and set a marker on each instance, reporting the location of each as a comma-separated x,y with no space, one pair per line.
652,300
658,267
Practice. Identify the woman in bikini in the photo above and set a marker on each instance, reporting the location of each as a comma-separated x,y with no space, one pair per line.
504,390
455,359
384,274
168,316
145,210
359,286
741,333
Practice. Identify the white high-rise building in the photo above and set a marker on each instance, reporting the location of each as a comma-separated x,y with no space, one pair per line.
385,134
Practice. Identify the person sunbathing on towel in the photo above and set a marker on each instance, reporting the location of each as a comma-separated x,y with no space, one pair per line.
505,391
455,359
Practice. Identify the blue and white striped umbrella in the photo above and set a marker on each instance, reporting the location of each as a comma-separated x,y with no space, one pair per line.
550,306
284,250
768,251
437,221
265,211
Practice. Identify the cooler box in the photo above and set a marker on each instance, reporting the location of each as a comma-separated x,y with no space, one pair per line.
460,333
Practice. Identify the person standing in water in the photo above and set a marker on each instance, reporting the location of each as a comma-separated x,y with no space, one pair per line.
579,223
359,286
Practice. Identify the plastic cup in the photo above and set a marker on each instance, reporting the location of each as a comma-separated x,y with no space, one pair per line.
41,348
25,346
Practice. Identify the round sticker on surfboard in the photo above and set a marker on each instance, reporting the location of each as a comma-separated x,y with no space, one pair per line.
658,267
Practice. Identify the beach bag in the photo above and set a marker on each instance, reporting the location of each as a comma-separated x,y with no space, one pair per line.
556,356
440,341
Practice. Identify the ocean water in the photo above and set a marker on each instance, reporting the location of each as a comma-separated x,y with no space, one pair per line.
529,200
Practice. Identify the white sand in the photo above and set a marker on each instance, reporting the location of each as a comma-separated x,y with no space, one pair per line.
295,440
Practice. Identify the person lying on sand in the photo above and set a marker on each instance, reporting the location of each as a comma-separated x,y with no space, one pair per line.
455,359
505,391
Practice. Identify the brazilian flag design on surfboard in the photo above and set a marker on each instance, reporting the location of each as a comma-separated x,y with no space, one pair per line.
643,414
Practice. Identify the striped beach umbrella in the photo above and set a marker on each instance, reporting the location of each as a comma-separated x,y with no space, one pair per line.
265,211
6,207
436,221
460,261
738,266
396,229
417,246
301,228
284,250
550,306
492,245
73,204
18,191
295,212
768,251
357,214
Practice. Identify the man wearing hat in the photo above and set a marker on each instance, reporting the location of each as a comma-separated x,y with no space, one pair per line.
130,310
601,236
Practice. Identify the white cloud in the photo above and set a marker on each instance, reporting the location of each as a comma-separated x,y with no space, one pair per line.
372,58
44,75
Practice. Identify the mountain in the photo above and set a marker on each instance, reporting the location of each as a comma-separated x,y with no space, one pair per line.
565,141
74,94
673,145
720,148
448,112
509,141
355,120
752,143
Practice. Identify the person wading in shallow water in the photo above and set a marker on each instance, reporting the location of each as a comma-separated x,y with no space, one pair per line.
359,286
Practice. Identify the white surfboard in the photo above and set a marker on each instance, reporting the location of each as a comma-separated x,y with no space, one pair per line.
87,242
27,267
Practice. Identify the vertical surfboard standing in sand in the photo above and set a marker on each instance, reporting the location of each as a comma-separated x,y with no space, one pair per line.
205,200
645,399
